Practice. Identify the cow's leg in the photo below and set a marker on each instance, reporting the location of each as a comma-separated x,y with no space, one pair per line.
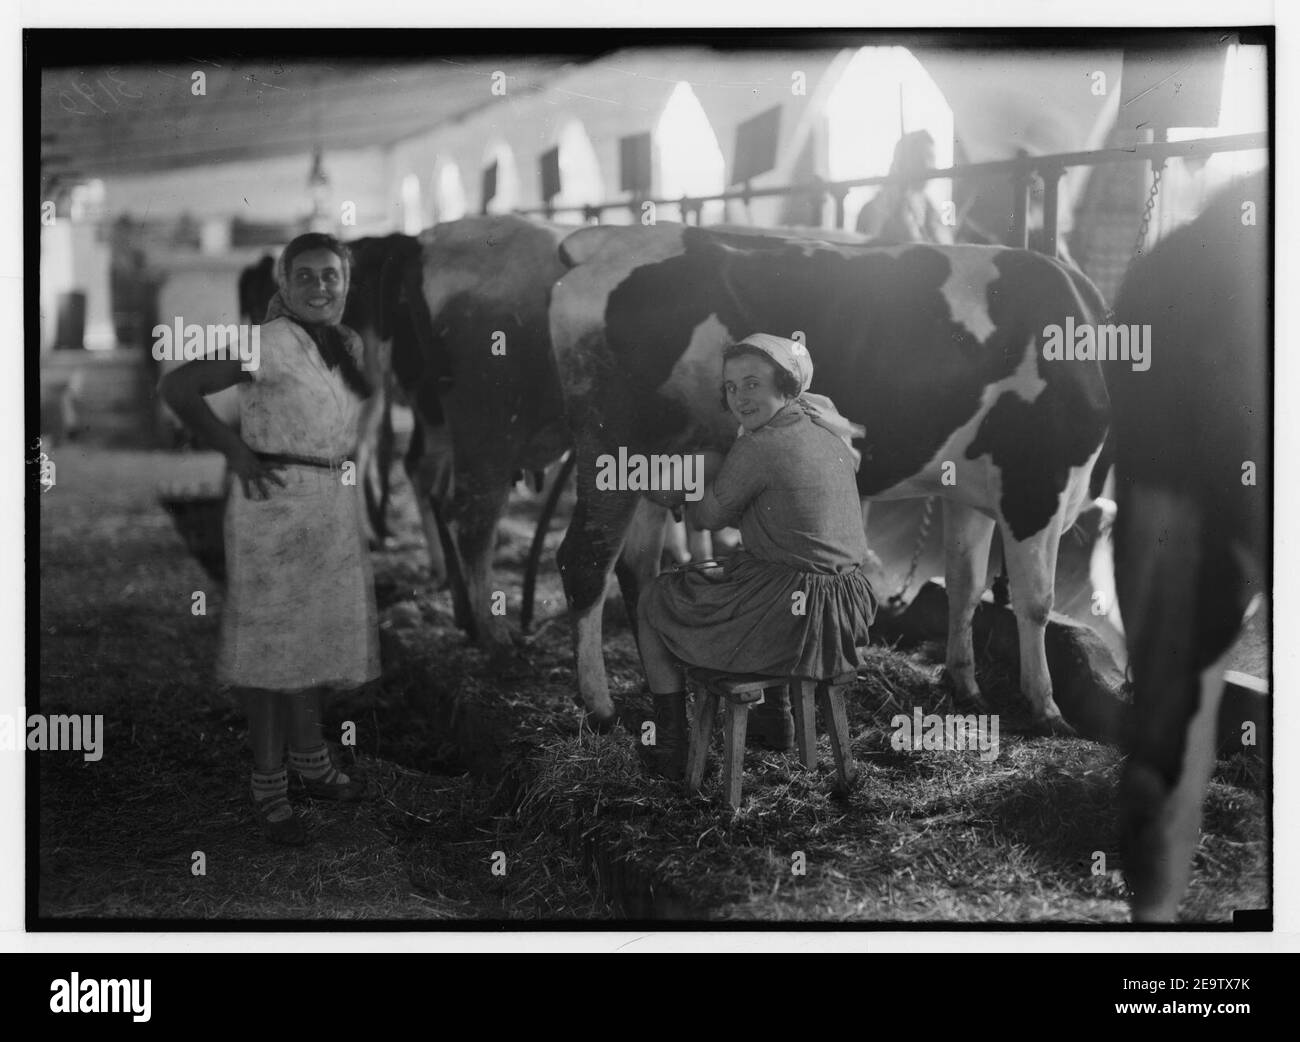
1162,817
1175,704
1031,567
477,515
585,558
419,474
966,537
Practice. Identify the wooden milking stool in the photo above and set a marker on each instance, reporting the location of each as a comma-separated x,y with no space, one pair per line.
742,691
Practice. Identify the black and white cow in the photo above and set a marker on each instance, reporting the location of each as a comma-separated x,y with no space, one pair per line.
1193,492
484,389
936,351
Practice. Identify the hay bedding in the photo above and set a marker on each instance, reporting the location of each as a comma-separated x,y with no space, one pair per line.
926,837
464,763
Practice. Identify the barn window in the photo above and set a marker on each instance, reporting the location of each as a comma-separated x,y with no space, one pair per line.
689,156
506,196
580,181
1189,184
412,218
449,193
883,94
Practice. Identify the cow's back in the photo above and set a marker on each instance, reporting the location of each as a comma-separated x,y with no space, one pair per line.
936,351
487,284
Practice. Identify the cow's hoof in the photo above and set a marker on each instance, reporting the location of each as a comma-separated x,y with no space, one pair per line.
969,701
975,703
1054,727
963,697
599,724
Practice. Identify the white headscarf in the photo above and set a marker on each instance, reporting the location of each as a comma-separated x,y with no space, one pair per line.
793,357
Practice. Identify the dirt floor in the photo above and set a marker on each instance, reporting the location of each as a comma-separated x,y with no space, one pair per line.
487,803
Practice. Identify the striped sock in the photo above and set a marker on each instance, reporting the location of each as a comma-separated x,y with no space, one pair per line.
267,785
317,765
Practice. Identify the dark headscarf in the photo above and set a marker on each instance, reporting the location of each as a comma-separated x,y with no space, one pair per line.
330,340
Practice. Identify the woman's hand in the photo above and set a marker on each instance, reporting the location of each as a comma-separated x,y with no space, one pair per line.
253,473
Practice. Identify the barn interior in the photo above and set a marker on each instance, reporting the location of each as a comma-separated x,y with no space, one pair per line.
165,175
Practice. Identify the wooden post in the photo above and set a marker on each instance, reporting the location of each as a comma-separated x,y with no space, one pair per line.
831,697
706,708
1020,208
733,762
1051,189
803,705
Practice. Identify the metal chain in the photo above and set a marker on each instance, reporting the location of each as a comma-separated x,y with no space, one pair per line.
1157,171
896,600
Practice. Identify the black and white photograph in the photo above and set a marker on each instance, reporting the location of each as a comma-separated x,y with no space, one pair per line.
573,478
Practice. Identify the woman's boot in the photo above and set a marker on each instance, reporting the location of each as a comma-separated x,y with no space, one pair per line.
667,756
770,725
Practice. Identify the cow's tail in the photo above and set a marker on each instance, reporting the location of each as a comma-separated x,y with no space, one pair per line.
539,540
402,293
1093,303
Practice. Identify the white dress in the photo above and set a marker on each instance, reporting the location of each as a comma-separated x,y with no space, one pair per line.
300,603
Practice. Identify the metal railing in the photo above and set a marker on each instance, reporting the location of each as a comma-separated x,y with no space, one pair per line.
1022,170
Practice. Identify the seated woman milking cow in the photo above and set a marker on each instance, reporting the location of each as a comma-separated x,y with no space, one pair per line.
796,600
299,615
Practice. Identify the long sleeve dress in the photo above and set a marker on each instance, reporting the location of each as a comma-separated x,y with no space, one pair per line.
796,601
300,603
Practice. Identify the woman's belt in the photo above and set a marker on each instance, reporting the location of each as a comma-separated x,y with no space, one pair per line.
303,461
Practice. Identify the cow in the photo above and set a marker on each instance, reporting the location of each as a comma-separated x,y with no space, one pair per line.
1193,497
936,350
257,286
484,387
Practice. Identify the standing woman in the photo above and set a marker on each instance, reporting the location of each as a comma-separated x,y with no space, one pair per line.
796,600
300,608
